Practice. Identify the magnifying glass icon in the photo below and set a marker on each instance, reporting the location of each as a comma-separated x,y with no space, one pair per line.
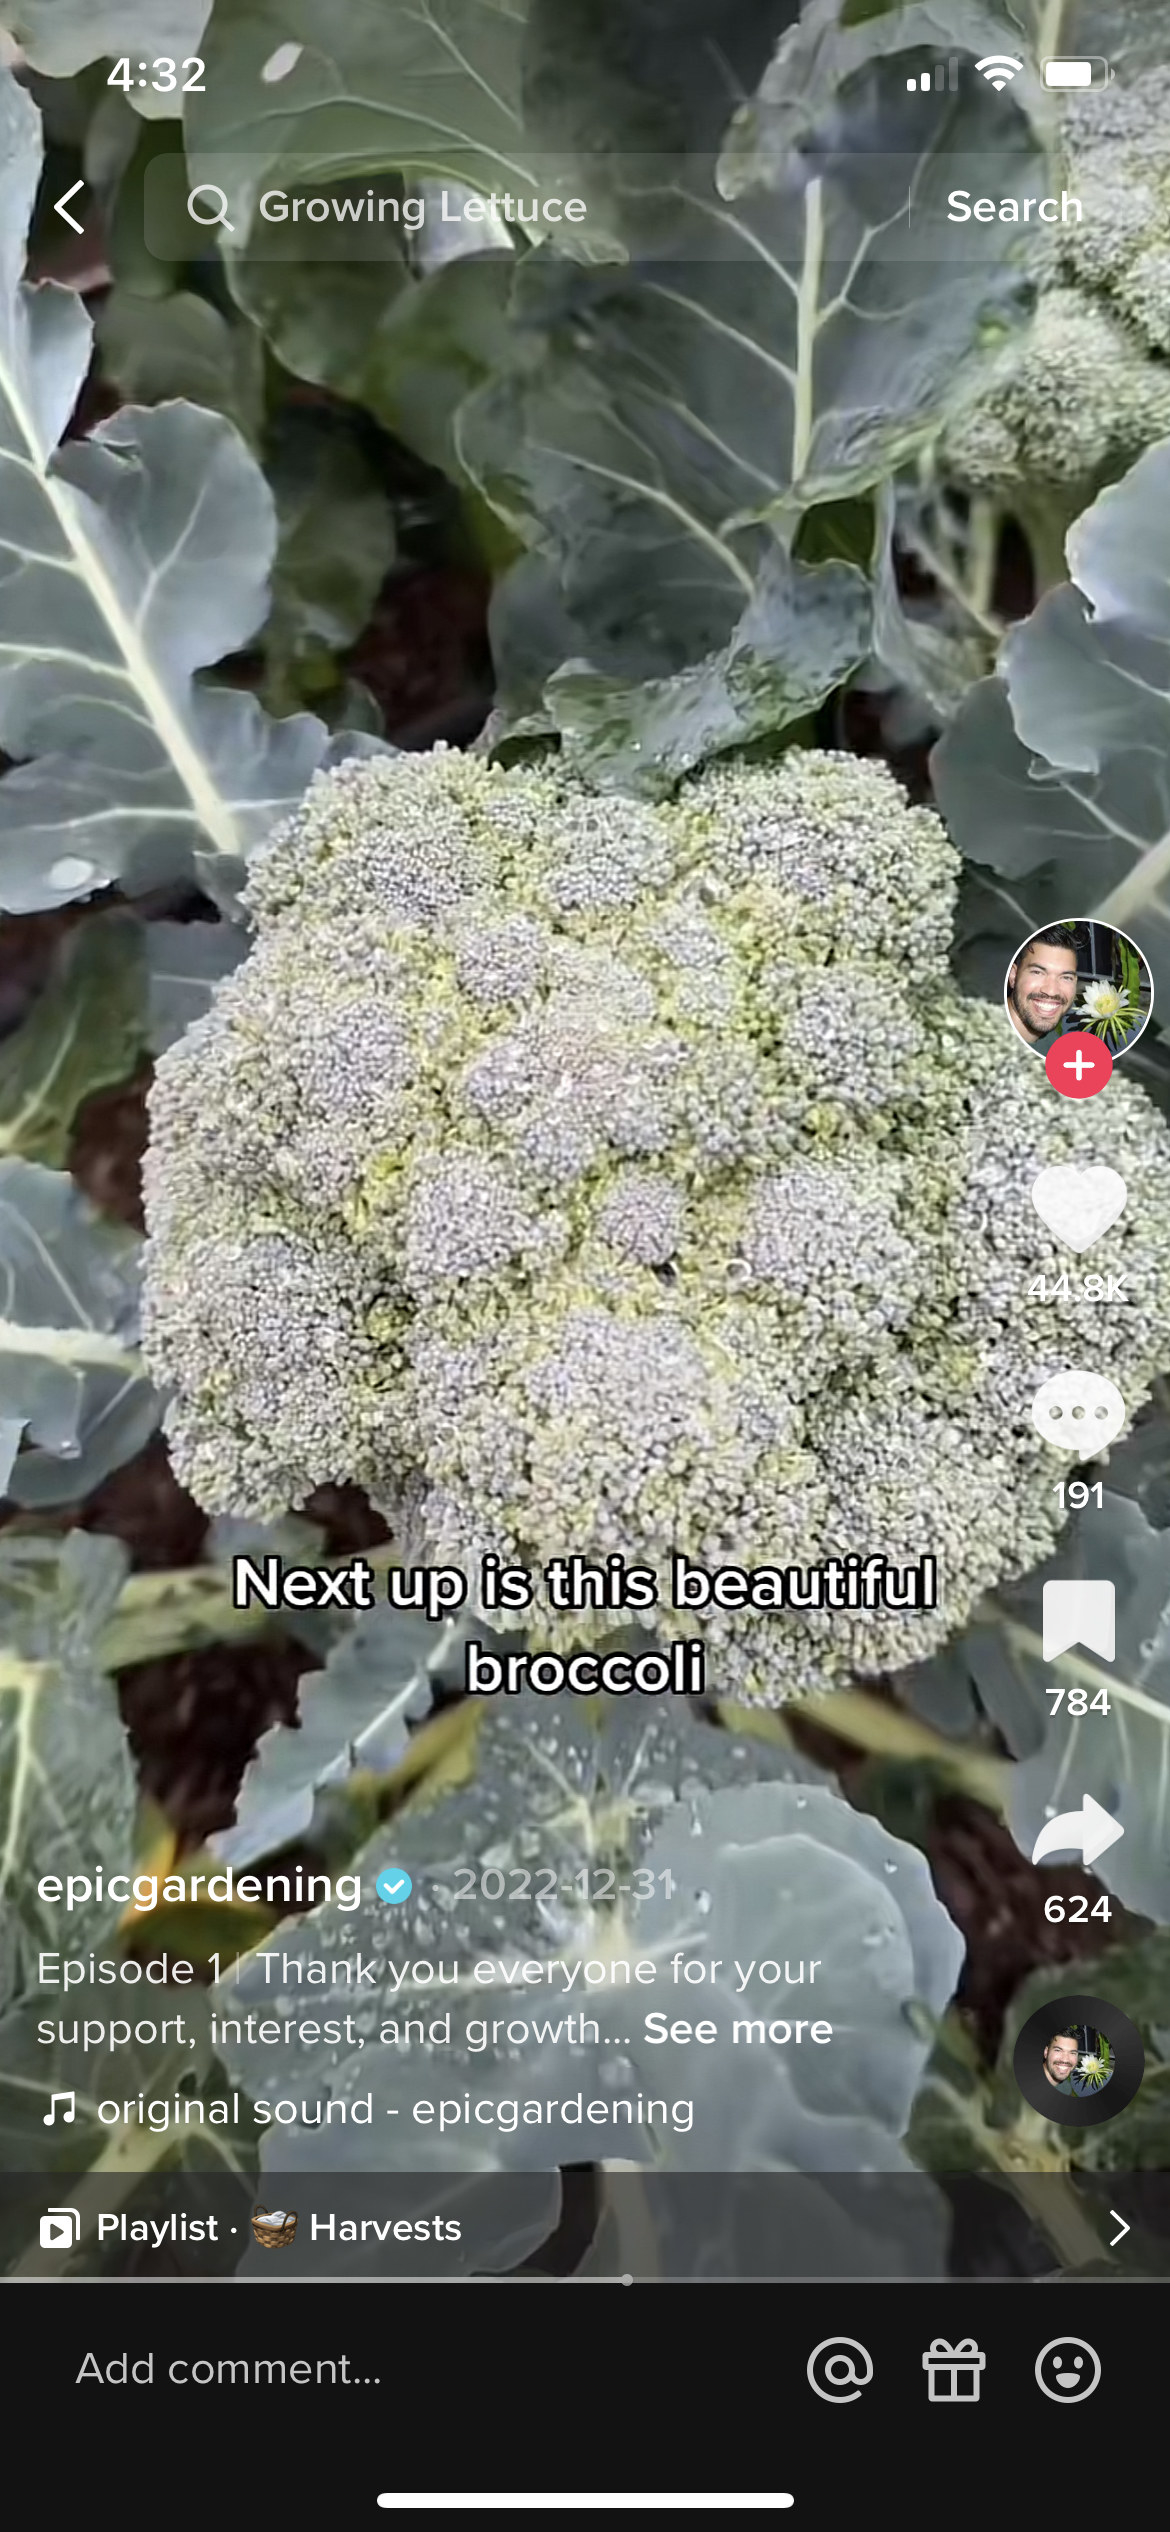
218,219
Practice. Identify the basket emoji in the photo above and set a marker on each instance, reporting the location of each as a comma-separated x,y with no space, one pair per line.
273,2229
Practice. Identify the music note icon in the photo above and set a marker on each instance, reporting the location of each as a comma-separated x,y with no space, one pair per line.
50,2117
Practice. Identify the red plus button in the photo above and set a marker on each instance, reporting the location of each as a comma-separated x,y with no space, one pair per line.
1079,1065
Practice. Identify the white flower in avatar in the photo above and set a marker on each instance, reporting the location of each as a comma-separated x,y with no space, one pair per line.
1105,1002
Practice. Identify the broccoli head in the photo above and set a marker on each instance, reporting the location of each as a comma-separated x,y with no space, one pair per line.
578,1174
1072,399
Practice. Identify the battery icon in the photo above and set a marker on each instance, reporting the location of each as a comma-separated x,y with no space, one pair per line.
1092,73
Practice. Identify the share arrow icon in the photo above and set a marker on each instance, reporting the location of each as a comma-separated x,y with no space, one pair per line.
1089,1830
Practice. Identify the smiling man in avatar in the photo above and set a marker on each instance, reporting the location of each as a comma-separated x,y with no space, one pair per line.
1042,987
1060,2059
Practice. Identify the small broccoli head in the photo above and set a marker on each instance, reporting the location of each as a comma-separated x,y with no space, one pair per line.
1072,399
580,1175
1118,140
1070,402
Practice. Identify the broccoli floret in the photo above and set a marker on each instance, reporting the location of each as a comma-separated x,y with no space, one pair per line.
577,1174
1072,403
1053,412
1119,144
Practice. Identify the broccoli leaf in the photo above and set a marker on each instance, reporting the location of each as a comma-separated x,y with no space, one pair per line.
66,1781
186,962
409,337
352,1714
745,1859
663,421
407,347
181,346
85,1031
605,80
435,89
828,44
70,1379
130,561
336,539
1056,773
802,634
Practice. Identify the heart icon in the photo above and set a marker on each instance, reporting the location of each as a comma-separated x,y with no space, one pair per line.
1079,1205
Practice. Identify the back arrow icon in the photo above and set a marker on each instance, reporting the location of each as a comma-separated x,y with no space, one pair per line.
59,205
1118,2237
1090,1829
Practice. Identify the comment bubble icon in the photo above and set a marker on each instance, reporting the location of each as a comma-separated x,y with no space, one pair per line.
1079,1411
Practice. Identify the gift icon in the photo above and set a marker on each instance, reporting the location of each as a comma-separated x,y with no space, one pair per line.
953,2372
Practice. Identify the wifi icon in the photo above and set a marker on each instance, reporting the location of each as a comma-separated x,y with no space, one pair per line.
999,68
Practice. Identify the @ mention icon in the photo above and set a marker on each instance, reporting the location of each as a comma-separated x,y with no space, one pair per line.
840,2369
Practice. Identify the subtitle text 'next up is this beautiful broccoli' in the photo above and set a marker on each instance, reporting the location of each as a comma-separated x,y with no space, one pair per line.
581,1175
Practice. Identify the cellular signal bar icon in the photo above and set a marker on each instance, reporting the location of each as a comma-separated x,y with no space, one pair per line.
944,75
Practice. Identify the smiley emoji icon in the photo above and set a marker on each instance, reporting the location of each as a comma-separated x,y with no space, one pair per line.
1068,2370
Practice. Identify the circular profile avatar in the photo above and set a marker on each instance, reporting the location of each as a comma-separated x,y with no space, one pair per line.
1078,976
1078,2061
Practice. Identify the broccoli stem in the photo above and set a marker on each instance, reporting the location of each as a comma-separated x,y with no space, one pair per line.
1045,518
1050,29
178,1612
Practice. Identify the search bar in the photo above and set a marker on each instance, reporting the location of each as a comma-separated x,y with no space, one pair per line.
282,215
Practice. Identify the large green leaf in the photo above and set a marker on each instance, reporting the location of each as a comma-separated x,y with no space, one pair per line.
180,346
71,1380
610,83
828,43
407,347
380,84
802,634
746,1860
663,421
409,337
85,1031
66,1781
335,543
352,1714
1056,773
129,561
